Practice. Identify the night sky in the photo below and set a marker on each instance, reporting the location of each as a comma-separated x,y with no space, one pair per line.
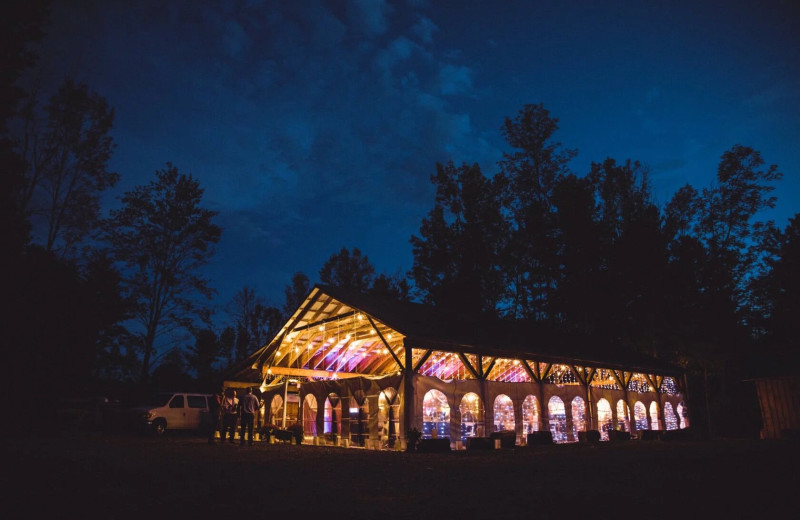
316,125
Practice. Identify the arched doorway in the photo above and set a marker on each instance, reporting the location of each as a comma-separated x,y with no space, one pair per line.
530,415
557,418
471,416
388,417
276,411
435,415
654,423
640,416
503,414
332,423
578,417
310,416
605,419
359,418
623,416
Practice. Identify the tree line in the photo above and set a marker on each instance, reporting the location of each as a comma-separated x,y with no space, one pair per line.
98,299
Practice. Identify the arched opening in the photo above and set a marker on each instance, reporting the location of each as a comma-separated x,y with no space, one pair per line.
530,415
557,418
435,415
471,416
359,418
640,416
605,419
683,416
503,413
310,416
276,411
578,417
332,423
388,417
654,424
623,416
670,419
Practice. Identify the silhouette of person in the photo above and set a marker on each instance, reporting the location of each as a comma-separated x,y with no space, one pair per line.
249,406
230,414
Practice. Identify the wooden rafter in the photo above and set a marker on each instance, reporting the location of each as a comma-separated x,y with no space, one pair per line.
578,375
530,372
651,382
469,366
619,379
422,360
386,343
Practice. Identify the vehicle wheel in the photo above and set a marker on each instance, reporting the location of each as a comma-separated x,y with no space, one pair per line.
159,427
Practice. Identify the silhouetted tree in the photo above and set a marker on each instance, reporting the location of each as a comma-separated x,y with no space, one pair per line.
532,172
394,287
66,166
162,236
295,294
777,302
457,255
348,271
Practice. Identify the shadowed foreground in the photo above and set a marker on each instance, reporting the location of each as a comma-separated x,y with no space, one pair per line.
121,476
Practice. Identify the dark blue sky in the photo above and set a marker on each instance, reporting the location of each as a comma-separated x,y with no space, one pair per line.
315,125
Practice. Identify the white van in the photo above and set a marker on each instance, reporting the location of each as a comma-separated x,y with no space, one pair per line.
175,411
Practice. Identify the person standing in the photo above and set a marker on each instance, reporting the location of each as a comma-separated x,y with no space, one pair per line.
249,406
215,416
230,413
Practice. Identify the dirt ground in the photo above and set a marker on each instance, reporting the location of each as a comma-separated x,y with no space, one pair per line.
119,476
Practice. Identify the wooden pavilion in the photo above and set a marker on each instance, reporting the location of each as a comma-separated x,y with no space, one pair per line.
354,369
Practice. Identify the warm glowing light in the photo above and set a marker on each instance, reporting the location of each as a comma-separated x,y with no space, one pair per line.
360,317
278,354
322,328
516,361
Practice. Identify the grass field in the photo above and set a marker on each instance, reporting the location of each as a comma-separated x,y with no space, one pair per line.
93,475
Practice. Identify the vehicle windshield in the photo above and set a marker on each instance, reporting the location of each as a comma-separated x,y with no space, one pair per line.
159,399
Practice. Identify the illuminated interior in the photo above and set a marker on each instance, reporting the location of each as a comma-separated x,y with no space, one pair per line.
654,416
435,415
558,419
578,417
471,416
670,419
344,349
530,415
503,414
605,420
623,416
640,415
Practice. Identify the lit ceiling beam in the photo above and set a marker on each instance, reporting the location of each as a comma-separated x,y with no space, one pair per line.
304,372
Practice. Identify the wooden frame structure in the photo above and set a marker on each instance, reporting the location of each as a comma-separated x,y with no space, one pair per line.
357,347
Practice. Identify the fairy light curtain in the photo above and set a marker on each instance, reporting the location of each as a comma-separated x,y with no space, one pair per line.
558,419
578,417
640,416
503,413
670,419
530,415
605,420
